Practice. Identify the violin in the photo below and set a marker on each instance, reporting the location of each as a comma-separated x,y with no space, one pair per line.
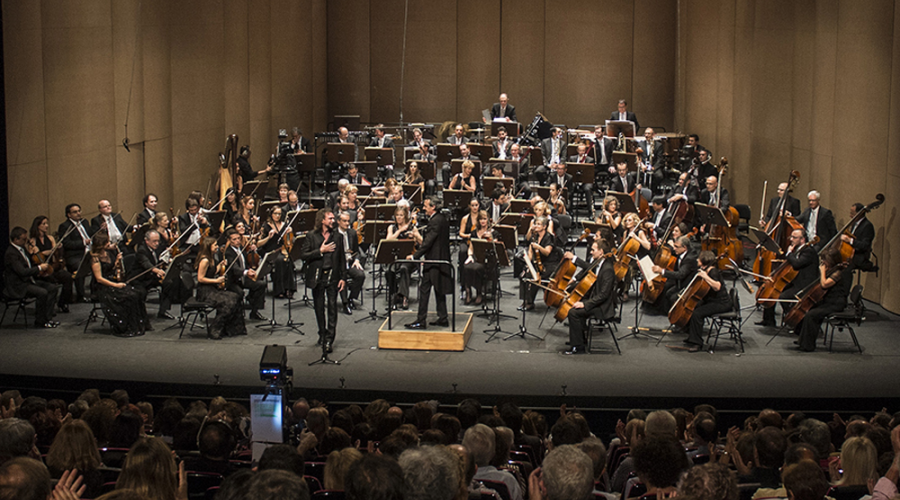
536,256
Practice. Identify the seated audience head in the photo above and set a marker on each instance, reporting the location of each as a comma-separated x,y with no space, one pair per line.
769,447
709,481
634,431
333,439
282,457
150,469
17,439
236,486
481,442
374,477
317,421
566,431
659,460
126,428
859,460
468,412
24,478
216,441
661,422
567,474
593,447
449,425
277,485
430,473
74,448
816,433
804,481
336,466
800,451
503,441
770,418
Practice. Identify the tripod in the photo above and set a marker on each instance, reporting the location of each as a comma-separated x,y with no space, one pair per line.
523,330
273,325
373,314
324,359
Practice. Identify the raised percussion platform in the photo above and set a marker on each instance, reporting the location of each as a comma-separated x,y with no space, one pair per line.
434,338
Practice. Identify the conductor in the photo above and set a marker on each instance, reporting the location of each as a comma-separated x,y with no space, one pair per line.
435,245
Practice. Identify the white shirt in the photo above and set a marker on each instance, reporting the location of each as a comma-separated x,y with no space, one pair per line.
811,224
114,235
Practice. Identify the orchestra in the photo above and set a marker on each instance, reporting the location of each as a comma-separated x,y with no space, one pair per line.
624,236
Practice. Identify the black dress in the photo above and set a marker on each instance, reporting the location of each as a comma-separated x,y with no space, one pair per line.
123,307
62,276
713,303
398,279
229,320
476,273
282,275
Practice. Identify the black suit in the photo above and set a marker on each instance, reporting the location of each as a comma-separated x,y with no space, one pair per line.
805,261
676,280
75,249
184,222
605,145
435,246
616,184
654,177
704,171
505,148
19,276
323,273
359,178
661,223
302,147
146,259
628,116
488,206
599,302
825,226
791,205
691,192
387,142
144,217
121,225
236,281
509,112
863,235
355,277
724,199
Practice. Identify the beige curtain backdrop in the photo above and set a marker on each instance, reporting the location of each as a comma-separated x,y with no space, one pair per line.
811,85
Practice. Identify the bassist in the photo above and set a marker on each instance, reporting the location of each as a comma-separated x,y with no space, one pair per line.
802,258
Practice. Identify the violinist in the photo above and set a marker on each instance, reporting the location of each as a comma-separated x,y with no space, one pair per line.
147,266
160,223
802,258
357,211
610,216
77,244
229,320
396,197
41,241
497,205
414,176
555,201
384,189
398,279
677,279
150,202
110,222
293,203
543,248
123,304
247,211
231,205
540,209
283,190
837,286
474,273
355,177
283,282
201,200
465,180
20,273
467,225
241,276
791,206
323,253
193,222
600,300
356,275
715,301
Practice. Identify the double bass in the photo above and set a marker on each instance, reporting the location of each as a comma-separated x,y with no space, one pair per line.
770,290
776,230
723,240
846,248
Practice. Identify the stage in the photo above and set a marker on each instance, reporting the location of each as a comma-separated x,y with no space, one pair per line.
531,368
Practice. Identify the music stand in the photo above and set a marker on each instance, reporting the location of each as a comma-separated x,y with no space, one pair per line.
519,206
375,231
413,193
626,202
251,188
630,159
457,198
542,191
265,268
296,250
363,190
581,172
709,215
368,168
614,127
306,166
512,128
481,151
340,152
763,238
304,222
266,207
535,156
509,235
426,168
447,152
389,252
215,219
492,254
383,158
521,221
490,183
456,167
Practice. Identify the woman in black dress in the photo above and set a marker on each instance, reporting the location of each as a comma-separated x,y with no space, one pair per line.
283,283
41,241
475,273
123,304
716,300
401,229
229,320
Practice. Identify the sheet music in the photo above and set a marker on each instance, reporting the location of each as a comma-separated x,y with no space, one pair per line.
646,266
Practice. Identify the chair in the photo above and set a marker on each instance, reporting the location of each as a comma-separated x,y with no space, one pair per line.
211,493
95,314
596,324
847,492
195,308
20,303
113,457
844,319
746,490
316,470
532,455
633,488
313,483
744,215
499,487
200,482
730,320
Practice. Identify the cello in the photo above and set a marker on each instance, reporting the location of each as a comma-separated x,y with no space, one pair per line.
554,294
812,295
690,298
581,289
770,290
665,259
776,230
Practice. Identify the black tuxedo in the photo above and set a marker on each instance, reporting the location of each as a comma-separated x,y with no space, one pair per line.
355,277
704,171
691,192
302,147
386,143
509,112
236,281
435,246
724,202
566,183
359,178
791,205
825,226
615,184
488,206
661,223
547,149
576,158
676,280
74,250
19,276
146,259
614,116
607,145
121,225
184,222
656,159
144,217
599,302
323,272
863,235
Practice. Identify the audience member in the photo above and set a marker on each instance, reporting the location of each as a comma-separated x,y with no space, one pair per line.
374,477
566,474
76,448
277,485
659,460
430,473
481,441
708,482
17,439
336,466
150,470
282,457
805,481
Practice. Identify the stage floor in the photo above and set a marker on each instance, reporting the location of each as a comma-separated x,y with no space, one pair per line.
530,366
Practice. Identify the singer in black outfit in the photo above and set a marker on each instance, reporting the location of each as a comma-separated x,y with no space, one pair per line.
323,253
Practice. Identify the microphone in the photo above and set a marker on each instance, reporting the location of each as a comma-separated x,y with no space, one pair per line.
125,143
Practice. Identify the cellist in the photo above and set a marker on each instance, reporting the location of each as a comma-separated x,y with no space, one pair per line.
685,268
715,301
542,247
837,287
791,206
600,300
802,258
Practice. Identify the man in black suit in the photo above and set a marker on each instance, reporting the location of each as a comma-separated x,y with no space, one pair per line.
685,268
299,144
76,245
380,140
804,259
713,196
354,176
522,164
19,274
110,222
685,190
651,158
356,275
818,220
459,136
323,253
245,170
150,202
501,145
553,149
622,113
240,276
496,207
704,169
190,224
504,109
623,182
586,187
147,266
661,217
435,245
791,206
599,301
603,150
863,235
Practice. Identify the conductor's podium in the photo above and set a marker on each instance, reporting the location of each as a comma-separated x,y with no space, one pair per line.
433,338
